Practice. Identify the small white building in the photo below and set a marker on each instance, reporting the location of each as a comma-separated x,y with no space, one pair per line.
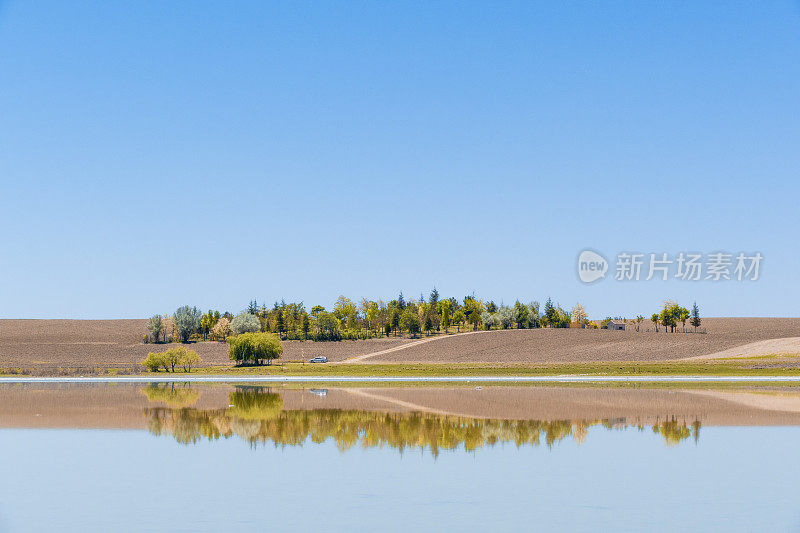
616,324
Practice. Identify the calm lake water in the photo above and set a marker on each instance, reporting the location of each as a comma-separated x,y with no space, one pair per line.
175,457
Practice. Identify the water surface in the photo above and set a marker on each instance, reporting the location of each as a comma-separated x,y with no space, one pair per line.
187,457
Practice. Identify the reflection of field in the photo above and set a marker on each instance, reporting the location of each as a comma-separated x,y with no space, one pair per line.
256,416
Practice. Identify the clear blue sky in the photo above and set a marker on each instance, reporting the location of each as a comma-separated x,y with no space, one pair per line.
156,154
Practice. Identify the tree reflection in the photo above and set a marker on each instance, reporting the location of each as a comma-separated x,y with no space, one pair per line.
256,415
172,394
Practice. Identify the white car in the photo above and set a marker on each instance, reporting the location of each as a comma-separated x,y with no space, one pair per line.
320,359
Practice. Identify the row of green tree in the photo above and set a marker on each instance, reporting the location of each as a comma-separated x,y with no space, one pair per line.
368,319
671,314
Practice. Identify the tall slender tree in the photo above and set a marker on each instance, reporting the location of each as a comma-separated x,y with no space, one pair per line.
695,321
444,313
434,298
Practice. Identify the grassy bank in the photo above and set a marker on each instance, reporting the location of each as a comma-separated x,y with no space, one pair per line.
678,368
760,366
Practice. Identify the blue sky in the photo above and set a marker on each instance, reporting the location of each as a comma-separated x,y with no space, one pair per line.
157,154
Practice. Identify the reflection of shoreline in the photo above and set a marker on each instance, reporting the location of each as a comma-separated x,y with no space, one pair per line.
257,416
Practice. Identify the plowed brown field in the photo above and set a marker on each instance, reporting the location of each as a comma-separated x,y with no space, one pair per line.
77,343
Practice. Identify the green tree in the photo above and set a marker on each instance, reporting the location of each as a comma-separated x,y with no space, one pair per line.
171,358
654,319
428,324
683,316
187,321
533,315
206,323
187,359
550,317
280,326
154,361
473,309
670,313
475,319
459,318
371,315
444,313
154,326
521,315
395,320
328,327
345,310
434,298
563,318
306,325
695,321
409,321
255,347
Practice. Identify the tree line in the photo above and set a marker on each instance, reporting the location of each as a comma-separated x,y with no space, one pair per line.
671,313
348,320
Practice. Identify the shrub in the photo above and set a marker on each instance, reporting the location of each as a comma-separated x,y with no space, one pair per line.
187,321
153,361
245,322
171,358
255,347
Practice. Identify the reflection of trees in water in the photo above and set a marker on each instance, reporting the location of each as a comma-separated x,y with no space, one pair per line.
673,431
257,416
172,394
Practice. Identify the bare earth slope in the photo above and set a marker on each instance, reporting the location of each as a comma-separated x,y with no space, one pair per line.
63,343
49,343
782,346
576,345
